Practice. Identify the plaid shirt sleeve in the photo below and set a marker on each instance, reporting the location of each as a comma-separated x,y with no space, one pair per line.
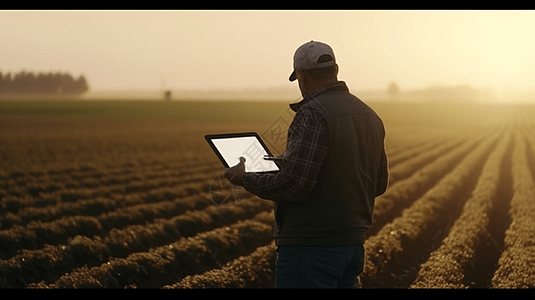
305,152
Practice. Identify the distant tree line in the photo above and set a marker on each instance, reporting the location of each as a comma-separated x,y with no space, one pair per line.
59,83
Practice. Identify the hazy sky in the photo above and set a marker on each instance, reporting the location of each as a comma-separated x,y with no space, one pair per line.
242,49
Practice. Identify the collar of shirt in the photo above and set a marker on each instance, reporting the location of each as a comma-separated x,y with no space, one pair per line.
335,86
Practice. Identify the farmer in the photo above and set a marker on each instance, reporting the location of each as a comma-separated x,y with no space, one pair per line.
335,165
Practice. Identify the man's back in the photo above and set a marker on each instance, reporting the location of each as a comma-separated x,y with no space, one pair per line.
339,208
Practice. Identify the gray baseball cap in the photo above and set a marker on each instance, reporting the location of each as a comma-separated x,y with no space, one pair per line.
306,57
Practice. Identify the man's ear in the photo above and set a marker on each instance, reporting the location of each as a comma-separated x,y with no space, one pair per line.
302,75
298,73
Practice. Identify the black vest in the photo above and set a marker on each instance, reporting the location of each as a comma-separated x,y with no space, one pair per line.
339,209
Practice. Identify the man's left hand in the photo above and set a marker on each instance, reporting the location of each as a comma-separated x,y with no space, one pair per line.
235,173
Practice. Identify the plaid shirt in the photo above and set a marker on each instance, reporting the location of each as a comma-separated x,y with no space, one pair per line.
305,151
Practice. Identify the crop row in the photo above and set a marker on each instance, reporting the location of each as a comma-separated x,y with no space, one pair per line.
516,264
90,169
37,233
419,158
401,147
251,271
170,263
45,182
446,267
407,150
34,184
61,144
94,201
47,193
400,140
54,260
393,247
401,193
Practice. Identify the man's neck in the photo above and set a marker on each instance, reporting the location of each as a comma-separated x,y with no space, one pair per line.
314,86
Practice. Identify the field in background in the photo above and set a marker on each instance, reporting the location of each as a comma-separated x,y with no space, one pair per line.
117,194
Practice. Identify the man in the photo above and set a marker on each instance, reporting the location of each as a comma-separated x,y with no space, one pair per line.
335,165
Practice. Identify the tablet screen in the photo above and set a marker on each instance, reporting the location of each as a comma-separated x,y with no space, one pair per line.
230,149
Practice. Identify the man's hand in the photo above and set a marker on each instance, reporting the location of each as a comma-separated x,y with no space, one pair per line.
235,173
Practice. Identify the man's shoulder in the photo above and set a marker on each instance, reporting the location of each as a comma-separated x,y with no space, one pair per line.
335,101
313,107
310,115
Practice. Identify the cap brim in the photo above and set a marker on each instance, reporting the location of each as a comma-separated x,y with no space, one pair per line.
292,76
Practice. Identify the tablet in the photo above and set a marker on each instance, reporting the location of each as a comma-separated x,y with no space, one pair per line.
230,146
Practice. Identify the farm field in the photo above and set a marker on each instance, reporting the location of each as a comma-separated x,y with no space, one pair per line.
117,194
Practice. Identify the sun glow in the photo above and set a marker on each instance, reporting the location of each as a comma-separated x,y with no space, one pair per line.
140,50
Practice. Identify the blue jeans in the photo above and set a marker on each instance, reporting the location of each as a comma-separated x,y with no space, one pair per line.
318,267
